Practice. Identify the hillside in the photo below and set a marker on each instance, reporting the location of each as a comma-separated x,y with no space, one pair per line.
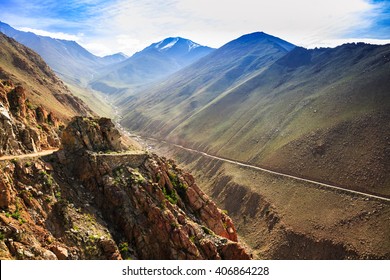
320,114
71,62
199,83
23,67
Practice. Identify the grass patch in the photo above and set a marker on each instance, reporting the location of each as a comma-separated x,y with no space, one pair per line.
170,196
208,231
177,183
124,247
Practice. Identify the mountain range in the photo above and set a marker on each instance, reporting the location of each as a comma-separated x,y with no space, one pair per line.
68,59
152,63
261,100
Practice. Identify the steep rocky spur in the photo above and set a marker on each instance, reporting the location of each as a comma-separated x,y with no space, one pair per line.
95,199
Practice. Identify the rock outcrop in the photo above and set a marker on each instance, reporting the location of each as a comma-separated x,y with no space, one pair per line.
96,200
24,126
89,134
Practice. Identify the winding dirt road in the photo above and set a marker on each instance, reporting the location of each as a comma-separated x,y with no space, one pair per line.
318,184
38,154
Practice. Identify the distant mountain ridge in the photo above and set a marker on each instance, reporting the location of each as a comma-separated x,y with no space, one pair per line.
70,60
183,50
152,63
111,74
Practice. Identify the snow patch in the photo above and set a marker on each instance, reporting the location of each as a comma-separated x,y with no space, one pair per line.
170,44
192,45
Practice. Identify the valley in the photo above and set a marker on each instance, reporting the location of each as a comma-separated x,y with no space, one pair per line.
284,218
259,149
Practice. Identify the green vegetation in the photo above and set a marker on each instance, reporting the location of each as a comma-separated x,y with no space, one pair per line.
124,247
30,105
16,215
208,231
57,195
170,196
47,178
177,184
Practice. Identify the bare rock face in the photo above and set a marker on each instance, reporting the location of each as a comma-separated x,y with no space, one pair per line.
156,208
24,127
91,134
151,206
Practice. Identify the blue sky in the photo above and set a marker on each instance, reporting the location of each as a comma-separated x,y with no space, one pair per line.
106,27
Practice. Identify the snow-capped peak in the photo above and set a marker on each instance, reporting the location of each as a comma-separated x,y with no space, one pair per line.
166,44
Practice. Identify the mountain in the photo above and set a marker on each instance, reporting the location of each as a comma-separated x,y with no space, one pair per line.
216,72
114,58
199,84
152,63
321,114
73,64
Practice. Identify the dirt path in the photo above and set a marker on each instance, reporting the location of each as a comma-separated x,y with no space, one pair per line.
319,184
38,154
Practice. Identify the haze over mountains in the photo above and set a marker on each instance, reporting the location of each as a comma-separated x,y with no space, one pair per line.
71,61
152,63
78,66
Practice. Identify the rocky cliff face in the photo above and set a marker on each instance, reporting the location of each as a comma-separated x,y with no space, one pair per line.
25,127
95,199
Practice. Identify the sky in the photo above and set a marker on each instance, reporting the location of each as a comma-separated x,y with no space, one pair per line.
109,26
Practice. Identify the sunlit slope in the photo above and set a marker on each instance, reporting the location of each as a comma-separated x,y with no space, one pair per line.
321,114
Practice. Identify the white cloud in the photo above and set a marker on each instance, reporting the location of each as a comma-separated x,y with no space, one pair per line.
130,25
56,35
303,22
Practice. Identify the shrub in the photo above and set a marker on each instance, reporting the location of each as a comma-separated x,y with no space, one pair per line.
206,230
124,247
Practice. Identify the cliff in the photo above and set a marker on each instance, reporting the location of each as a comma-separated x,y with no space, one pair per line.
97,199
25,127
